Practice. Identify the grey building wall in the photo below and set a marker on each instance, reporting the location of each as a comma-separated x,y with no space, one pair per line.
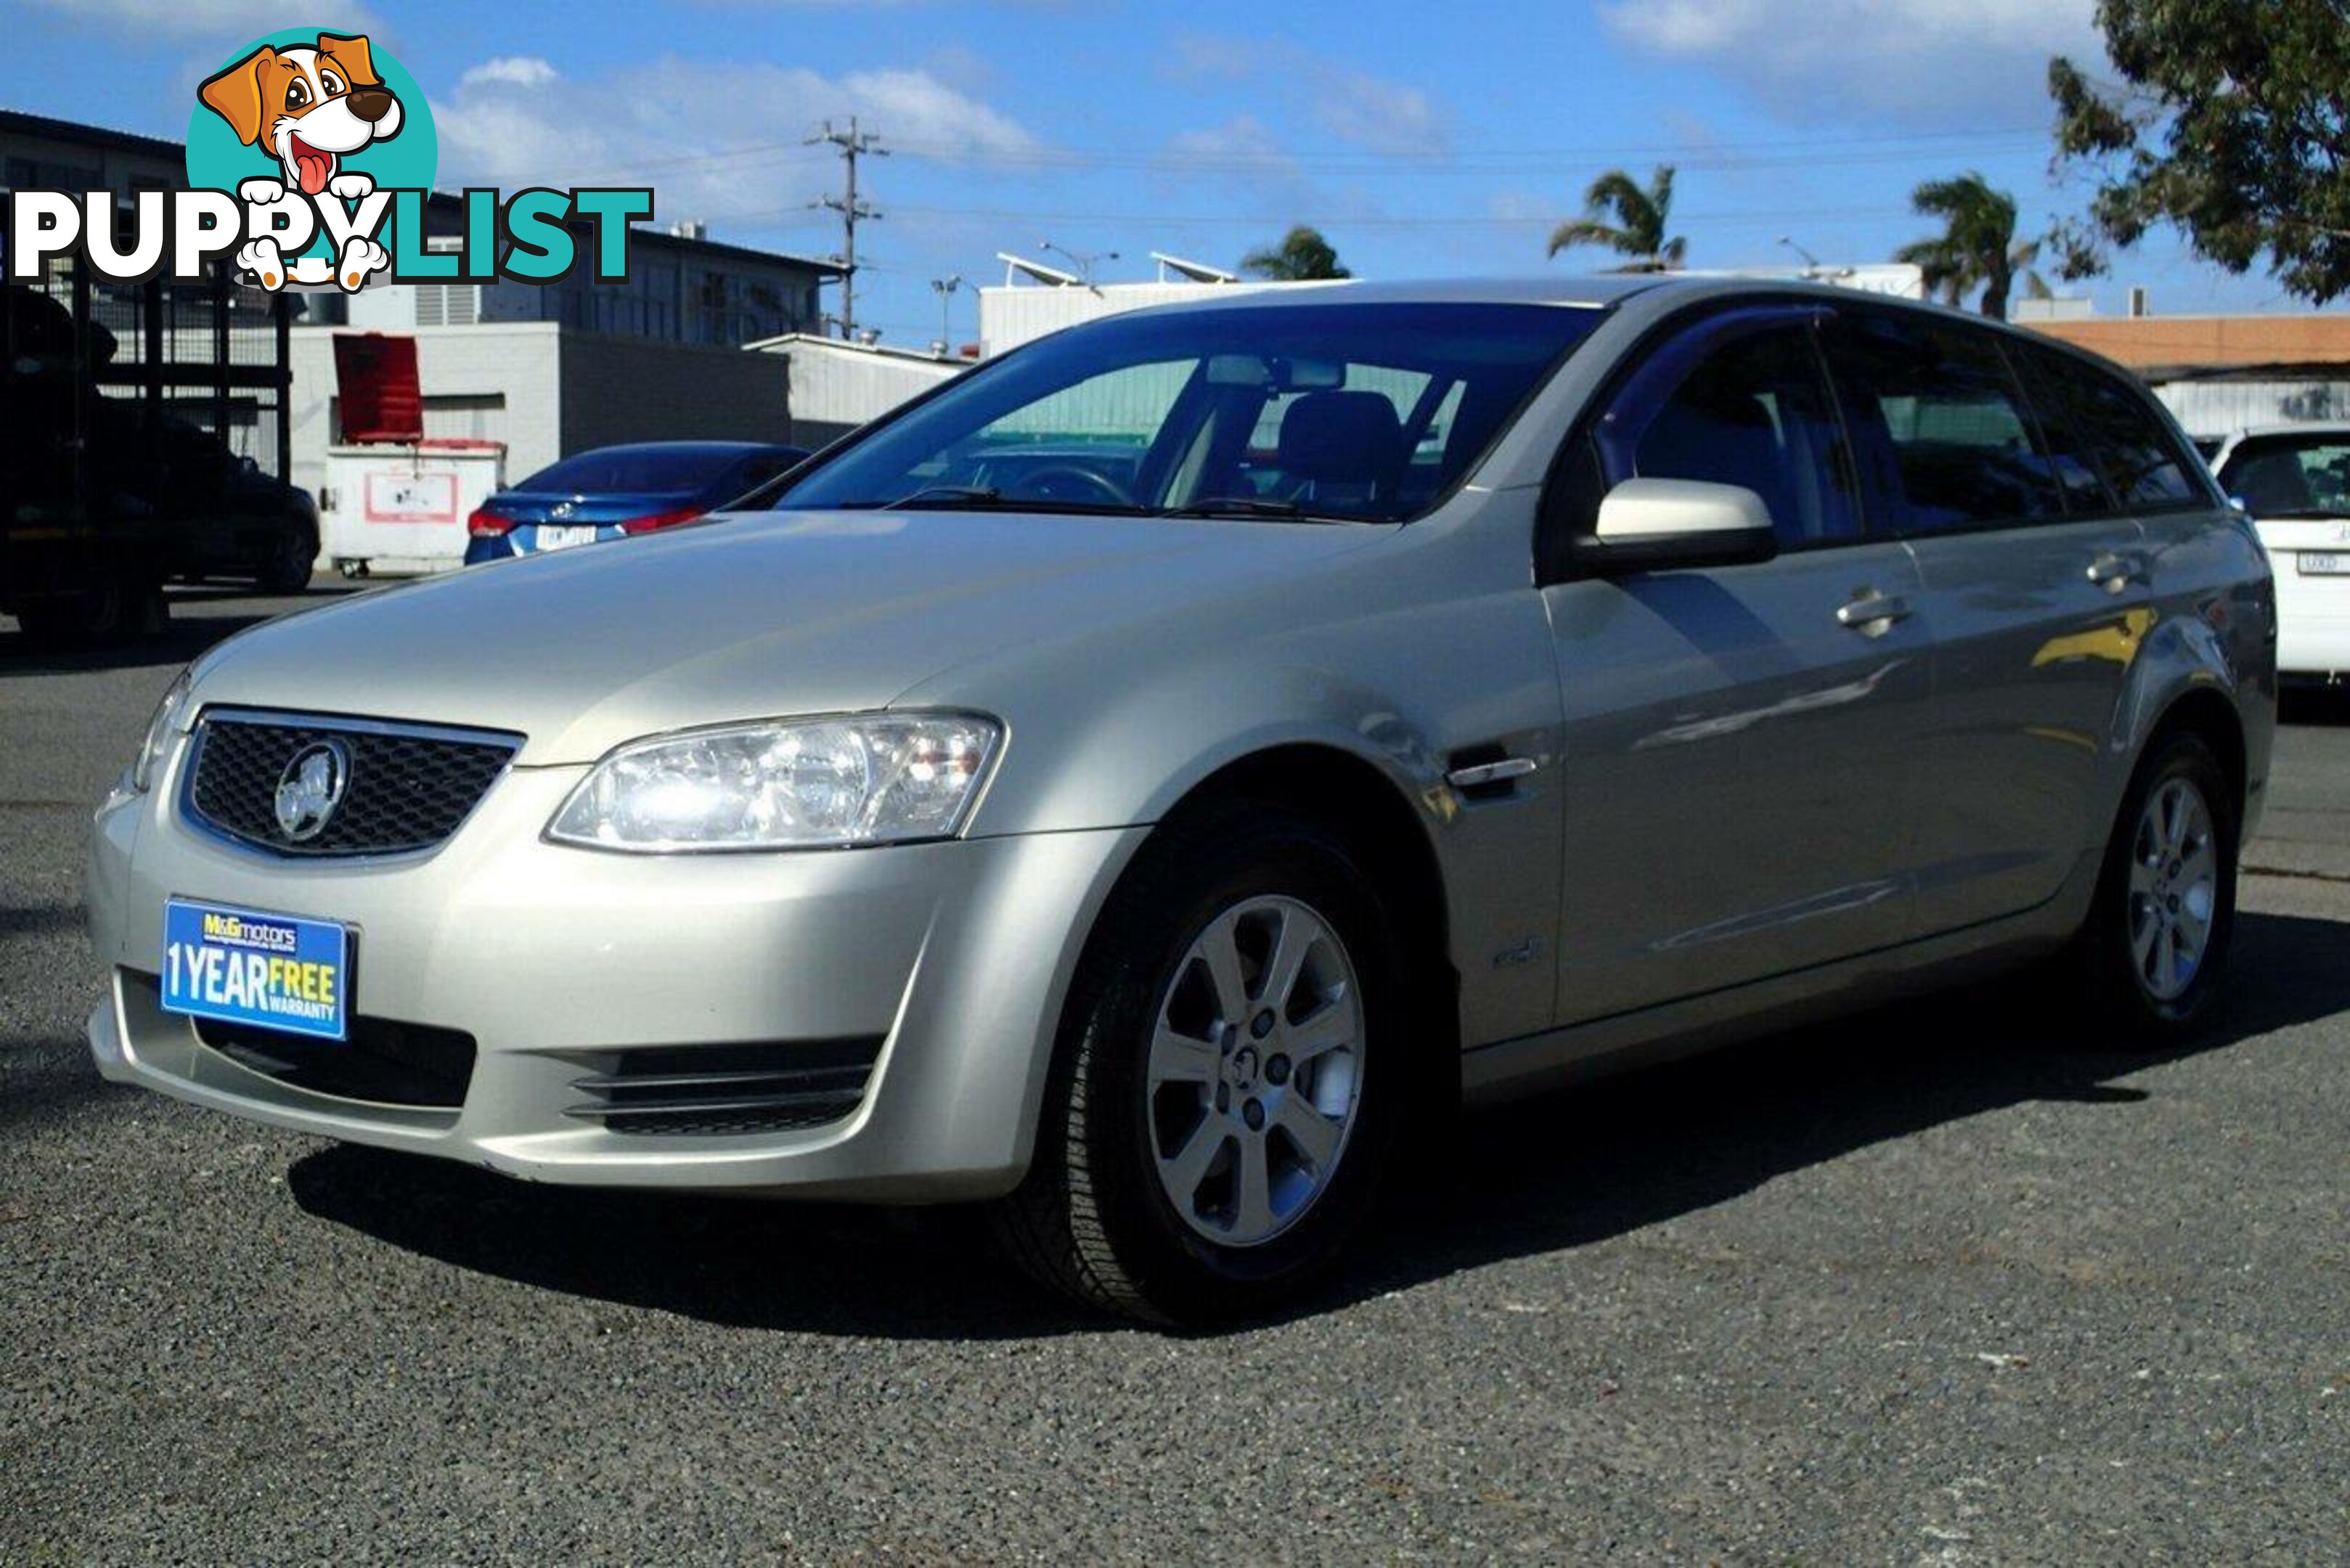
634,389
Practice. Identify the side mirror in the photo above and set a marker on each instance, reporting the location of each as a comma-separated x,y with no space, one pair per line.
1661,525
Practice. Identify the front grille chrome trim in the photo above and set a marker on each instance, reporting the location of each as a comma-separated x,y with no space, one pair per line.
192,767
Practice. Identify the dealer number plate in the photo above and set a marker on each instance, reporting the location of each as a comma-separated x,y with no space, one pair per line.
245,966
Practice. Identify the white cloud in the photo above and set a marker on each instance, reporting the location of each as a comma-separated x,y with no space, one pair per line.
1906,62
717,140
1355,107
1241,140
514,70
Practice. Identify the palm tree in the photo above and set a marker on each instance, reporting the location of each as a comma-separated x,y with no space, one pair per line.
1303,256
1640,212
1977,247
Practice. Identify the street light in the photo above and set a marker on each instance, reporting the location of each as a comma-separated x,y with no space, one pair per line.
1084,262
944,287
1809,259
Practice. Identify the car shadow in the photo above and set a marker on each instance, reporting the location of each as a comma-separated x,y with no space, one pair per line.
1578,1167
182,638
2324,706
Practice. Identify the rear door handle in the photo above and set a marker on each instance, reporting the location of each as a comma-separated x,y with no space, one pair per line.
2112,573
1872,614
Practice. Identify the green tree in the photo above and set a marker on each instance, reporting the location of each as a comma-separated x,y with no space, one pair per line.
1302,256
1977,248
2229,123
1629,219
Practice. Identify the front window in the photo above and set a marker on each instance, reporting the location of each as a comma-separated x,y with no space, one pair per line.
2292,476
1363,413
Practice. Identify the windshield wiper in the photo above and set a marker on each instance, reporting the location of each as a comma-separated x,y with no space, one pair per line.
1253,506
2300,514
985,498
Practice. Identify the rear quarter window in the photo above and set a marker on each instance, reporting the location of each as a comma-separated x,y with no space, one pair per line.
2141,462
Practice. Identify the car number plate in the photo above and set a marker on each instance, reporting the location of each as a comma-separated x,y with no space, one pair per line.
2323,564
552,538
245,966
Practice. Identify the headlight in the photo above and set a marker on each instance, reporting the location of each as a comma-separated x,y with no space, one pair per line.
798,784
159,735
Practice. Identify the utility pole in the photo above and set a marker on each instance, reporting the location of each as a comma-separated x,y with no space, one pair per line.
853,144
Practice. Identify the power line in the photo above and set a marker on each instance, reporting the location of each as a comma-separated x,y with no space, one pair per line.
853,144
1686,154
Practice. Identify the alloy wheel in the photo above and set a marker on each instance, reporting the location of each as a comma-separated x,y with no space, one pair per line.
2174,889
1255,1071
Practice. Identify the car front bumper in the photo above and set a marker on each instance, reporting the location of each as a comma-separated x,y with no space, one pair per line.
951,957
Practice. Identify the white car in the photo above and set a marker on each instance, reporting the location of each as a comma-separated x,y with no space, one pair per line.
2294,480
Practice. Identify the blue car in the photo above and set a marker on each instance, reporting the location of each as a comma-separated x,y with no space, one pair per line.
615,490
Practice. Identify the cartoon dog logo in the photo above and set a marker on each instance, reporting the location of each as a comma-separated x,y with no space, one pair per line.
308,108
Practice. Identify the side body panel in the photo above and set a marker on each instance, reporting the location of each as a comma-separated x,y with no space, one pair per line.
1739,774
2024,755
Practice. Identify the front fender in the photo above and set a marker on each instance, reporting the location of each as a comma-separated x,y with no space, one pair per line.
1392,670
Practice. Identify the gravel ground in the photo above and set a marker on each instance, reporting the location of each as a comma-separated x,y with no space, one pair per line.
1927,1286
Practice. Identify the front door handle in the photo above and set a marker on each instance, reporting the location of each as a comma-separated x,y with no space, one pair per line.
1872,614
2112,573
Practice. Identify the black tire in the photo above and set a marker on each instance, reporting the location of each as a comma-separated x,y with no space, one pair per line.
288,569
2117,998
1092,1218
110,612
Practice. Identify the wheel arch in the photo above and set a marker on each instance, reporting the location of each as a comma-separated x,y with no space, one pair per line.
1378,820
2206,712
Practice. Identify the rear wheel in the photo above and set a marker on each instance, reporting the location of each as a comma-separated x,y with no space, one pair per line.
2153,954
1230,1082
292,559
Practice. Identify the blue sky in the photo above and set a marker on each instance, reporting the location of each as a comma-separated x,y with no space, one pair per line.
1426,140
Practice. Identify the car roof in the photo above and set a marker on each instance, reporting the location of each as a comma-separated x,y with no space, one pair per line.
1591,291
1660,292
683,448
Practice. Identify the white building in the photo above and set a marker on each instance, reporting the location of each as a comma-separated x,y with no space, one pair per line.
831,386
551,370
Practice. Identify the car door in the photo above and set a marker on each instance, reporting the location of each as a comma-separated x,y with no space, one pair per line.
2034,584
1738,759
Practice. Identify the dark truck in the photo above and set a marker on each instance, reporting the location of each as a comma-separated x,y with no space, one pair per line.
143,438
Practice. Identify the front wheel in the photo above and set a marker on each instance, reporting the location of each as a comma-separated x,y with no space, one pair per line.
1230,1081
2153,953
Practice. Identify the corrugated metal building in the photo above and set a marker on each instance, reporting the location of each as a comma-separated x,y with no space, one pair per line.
832,386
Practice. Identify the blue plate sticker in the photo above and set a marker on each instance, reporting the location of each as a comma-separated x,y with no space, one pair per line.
242,966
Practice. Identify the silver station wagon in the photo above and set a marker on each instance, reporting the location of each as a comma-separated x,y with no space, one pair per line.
1148,780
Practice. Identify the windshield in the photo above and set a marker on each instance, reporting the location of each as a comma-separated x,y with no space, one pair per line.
1366,412
627,470
2287,476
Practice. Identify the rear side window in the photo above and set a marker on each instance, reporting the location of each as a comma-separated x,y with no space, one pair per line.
2079,470
2140,462
1752,411
1958,446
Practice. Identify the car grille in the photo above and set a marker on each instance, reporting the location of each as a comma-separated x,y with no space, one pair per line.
721,1089
409,786
383,1062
